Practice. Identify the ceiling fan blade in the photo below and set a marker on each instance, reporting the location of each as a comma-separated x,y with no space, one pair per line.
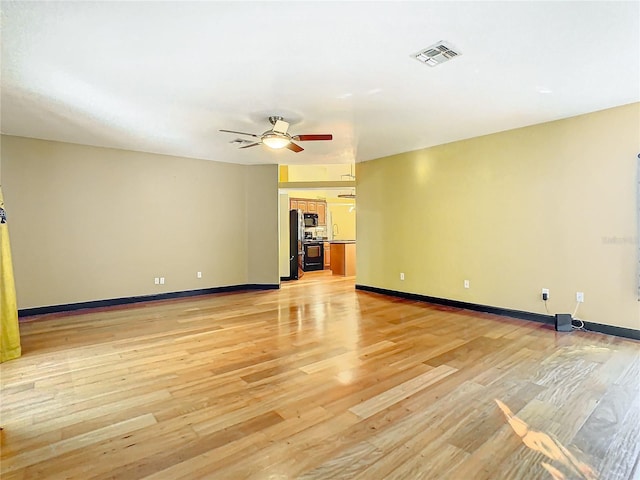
241,133
306,138
250,145
296,148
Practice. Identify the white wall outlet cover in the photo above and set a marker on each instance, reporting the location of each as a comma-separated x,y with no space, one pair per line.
199,274
466,284
580,297
161,280
156,281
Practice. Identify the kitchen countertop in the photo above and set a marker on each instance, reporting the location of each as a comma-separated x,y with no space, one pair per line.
342,241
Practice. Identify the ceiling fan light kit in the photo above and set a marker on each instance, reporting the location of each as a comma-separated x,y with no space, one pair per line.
275,140
278,137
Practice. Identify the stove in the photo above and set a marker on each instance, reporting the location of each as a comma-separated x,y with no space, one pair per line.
313,255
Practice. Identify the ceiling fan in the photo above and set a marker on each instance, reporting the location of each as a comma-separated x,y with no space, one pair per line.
278,137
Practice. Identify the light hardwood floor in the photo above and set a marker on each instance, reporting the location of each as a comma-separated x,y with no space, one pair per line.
316,381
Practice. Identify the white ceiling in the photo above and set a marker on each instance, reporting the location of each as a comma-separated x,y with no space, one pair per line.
163,77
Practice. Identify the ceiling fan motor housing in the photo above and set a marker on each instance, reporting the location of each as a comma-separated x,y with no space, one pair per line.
280,127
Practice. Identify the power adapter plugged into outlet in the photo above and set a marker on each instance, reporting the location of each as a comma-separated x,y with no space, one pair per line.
545,296
563,322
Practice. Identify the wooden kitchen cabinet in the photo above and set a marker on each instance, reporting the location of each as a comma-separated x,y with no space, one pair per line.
343,258
322,213
310,206
327,255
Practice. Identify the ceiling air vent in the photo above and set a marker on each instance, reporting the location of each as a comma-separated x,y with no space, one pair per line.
436,54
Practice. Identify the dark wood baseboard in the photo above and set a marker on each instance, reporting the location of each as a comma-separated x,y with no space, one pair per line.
505,312
27,312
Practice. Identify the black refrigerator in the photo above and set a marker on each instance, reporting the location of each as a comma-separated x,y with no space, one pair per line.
296,252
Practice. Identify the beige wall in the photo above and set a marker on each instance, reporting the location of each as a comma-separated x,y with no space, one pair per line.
263,224
512,212
93,223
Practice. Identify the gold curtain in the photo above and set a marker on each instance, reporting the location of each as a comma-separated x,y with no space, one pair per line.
9,330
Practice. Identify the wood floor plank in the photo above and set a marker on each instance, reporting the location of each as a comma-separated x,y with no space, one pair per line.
29,457
346,464
433,462
383,400
210,464
314,380
616,417
42,433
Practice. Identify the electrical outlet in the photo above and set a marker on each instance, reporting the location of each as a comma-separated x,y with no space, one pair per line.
401,276
161,280
199,275
580,297
466,284
545,294
156,281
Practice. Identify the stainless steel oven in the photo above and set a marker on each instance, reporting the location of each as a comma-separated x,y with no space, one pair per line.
313,256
